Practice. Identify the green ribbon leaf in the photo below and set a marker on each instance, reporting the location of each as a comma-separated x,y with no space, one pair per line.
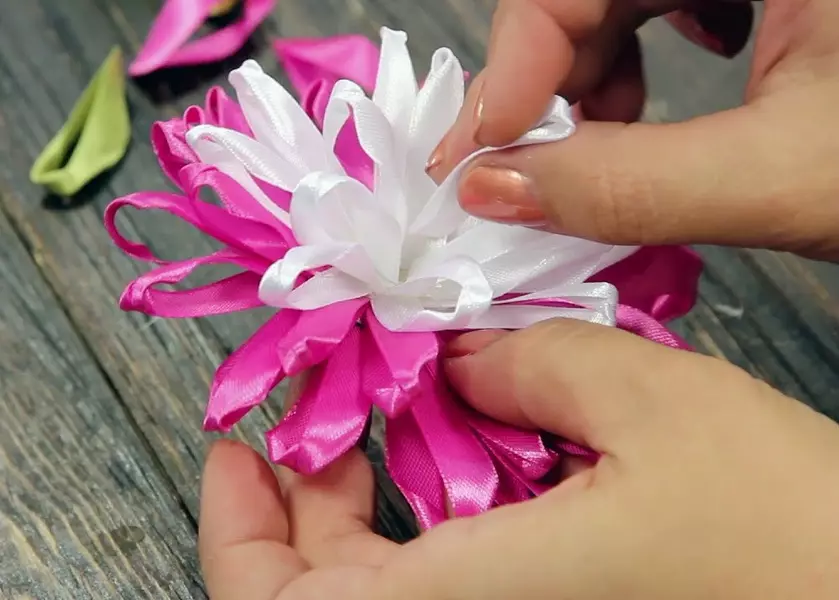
95,136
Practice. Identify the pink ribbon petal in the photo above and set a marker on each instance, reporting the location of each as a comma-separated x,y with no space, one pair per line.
310,61
520,456
661,281
405,355
263,242
467,470
244,222
168,140
412,468
523,449
328,418
225,112
317,334
168,45
640,323
248,375
571,449
239,292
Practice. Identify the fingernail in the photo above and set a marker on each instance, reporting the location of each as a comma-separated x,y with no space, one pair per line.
722,29
472,343
436,159
501,195
477,119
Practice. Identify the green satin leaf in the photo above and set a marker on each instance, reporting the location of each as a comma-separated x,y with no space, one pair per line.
95,136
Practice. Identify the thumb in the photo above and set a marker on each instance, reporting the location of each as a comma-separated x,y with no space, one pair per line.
753,176
591,384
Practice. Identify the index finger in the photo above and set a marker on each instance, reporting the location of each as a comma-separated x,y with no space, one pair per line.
531,54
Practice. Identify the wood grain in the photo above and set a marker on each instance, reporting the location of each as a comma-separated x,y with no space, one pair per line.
85,510
102,454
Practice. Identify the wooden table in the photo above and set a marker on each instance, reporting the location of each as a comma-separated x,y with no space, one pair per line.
100,440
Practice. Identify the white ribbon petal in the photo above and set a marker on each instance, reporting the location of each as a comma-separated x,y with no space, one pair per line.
333,208
396,84
442,214
257,158
448,296
583,270
277,120
213,153
437,106
328,287
376,138
438,102
512,317
595,302
281,278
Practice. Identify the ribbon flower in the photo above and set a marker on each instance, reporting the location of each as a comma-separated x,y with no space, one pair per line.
370,265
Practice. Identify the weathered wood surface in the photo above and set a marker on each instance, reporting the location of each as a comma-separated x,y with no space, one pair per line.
100,445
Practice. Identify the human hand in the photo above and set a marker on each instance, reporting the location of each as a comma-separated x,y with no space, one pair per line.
711,485
762,175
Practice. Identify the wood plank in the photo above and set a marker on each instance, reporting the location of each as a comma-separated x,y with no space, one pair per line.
85,510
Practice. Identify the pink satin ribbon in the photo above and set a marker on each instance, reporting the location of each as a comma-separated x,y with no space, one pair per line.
439,452
168,45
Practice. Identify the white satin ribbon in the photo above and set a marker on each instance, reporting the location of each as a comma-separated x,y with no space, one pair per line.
406,244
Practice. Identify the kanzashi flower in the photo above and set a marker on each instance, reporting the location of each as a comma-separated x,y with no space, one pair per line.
332,220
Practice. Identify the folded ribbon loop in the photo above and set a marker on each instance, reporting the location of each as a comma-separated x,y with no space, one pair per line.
96,134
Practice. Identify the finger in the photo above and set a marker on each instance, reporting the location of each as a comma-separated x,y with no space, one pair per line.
243,531
472,342
459,142
532,44
733,178
621,96
332,512
590,384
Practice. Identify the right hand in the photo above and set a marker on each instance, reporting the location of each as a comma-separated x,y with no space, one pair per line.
762,175
710,485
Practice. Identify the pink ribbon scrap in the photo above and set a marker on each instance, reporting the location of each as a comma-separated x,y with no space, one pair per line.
444,457
168,42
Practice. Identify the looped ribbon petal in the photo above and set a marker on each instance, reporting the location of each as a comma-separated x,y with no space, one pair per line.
440,217
393,364
330,415
434,457
168,138
96,134
168,45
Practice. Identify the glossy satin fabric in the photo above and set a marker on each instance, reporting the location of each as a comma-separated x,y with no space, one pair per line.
168,41
438,450
95,136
